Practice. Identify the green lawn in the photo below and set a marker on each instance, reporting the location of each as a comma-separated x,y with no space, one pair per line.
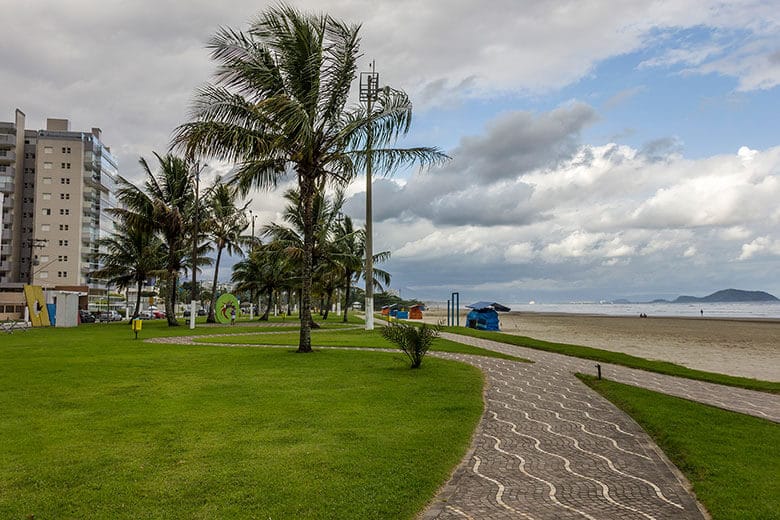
98,425
354,338
732,460
618,358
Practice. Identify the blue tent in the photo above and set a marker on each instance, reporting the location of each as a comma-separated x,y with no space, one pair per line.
484,315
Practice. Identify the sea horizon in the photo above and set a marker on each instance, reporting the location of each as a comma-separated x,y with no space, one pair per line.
757,310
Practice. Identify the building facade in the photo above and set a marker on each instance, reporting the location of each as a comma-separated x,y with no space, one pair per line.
56,187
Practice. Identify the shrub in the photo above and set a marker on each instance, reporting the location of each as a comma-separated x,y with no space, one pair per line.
413,341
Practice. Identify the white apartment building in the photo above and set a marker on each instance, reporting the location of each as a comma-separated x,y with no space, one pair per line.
56,186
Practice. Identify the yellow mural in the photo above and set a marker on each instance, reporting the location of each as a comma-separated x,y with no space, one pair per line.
36,304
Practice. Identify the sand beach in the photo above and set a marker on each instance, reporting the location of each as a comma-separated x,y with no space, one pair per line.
740,347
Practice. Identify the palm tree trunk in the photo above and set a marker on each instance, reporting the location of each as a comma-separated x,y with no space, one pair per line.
170,299
346,296
328,303
211,317
306,186
268,305
138,299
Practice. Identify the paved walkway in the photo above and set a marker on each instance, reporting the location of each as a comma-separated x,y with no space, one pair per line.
549,447
751,402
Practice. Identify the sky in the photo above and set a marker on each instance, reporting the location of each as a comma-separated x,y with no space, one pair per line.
600,149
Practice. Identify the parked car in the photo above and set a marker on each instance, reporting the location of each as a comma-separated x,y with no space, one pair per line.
86,317
201,312
145,315
108,316
158,315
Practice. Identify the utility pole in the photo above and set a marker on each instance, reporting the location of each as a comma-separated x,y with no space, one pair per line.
193,310
369,87
35,243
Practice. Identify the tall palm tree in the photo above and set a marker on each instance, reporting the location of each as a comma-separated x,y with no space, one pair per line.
226,222
278,106
129,256
349,253
162,205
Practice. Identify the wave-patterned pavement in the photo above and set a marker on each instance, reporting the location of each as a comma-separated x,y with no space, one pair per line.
549,447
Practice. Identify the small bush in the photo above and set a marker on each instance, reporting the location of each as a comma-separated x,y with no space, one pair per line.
413,341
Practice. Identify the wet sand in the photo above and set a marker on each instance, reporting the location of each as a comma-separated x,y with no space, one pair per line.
740,347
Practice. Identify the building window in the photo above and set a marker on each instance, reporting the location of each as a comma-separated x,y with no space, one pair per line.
64,227
43,258
48,149
44,227
46,211
2,168
62,258
64,212
64,180
64,196
64,243
66,149
46,196
47,180
43,274
47,166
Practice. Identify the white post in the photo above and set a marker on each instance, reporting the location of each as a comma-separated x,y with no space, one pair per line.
251,311
338,302
193,313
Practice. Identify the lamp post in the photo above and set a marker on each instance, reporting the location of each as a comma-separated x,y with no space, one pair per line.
193,310
253,217
369,86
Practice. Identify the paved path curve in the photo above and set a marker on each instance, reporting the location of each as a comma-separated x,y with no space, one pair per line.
751,402
549,447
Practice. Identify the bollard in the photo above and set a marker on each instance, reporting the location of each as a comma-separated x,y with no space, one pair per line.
598,367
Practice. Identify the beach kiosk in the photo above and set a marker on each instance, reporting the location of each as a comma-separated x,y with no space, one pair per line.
415,312
484,315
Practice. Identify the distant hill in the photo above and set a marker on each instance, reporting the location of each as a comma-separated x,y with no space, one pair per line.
729,296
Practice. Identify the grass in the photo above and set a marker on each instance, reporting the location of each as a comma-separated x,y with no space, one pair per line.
355,338
731,459
97,425
618,358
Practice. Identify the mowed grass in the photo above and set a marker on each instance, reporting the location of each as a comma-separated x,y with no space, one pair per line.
352,338
98,425
731,459
618,358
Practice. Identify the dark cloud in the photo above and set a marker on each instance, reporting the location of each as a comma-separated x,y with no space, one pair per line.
483,185
661,149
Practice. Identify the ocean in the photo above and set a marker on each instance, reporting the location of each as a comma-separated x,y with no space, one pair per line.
759,310
711,310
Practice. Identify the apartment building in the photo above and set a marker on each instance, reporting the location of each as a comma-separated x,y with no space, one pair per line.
56,186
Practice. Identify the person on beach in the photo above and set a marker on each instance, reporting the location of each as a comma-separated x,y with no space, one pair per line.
701,311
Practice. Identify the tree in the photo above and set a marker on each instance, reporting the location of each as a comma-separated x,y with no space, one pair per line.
130,255
226,222
162,206
278,106
350,254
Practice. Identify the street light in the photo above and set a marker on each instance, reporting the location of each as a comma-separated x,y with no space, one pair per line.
369,87
253,217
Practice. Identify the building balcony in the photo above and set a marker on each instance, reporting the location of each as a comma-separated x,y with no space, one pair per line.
7,140
7,156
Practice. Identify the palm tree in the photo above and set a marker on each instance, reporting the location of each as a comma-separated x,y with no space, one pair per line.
226,223
278,106
349,253
265,270
162,205
129,256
